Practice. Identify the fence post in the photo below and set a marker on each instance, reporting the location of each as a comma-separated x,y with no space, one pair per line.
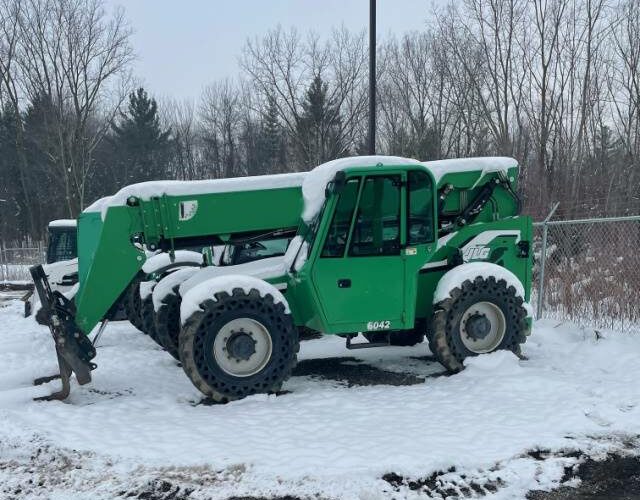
543,260
2,272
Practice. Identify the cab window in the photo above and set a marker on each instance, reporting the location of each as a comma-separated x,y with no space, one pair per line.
420,208
377,226
336,240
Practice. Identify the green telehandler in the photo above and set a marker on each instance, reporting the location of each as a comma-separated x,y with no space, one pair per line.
389,247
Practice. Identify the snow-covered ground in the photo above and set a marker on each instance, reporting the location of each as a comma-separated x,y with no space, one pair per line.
140,427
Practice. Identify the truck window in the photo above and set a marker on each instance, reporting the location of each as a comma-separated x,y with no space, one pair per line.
62,245
377,227
336,239
420,211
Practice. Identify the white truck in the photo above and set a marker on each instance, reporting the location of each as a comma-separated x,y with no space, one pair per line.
61,265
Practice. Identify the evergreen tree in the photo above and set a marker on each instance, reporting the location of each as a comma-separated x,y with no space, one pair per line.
42,150
12,200
273,137
139,141
318,129
263,143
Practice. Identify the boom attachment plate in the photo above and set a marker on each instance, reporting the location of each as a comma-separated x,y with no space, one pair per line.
73,348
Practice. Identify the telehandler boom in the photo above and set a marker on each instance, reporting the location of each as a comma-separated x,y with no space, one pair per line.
115,234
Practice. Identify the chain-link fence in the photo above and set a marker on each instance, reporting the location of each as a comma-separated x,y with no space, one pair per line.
15,260
588,272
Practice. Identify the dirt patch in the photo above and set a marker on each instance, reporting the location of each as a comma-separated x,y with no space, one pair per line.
353,372
615,478
158,489
446,484
287,497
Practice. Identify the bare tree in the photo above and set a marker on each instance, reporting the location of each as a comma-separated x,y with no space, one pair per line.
75,54
10,12
220,112
180,117
282,66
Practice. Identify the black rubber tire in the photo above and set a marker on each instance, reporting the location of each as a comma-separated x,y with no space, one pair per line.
447,343
132,305
167,323
401,338
200,329
148,319
430,339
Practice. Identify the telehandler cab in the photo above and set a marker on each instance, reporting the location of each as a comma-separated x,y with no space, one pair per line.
388,247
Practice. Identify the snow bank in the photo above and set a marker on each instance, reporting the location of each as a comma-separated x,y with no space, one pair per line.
494,364
161,260
271,267
206,290
63,223
487,164
315,183
140,420
166,284
470,271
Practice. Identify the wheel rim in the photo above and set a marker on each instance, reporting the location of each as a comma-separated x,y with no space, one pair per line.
242,347
482,327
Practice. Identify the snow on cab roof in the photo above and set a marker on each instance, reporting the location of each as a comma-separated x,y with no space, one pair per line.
150,189
63,223
316,182
487,164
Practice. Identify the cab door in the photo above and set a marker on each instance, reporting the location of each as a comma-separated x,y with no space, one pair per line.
359,274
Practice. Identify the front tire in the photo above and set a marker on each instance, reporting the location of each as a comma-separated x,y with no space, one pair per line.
480,316
238,345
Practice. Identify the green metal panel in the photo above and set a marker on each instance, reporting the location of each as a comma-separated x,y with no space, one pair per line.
112,265
503,250
89,229
222,213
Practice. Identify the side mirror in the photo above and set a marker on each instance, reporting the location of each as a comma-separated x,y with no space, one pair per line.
337,184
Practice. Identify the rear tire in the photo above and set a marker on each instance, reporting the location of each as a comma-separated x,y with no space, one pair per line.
148,319
481,316
167,323
238,345
132,305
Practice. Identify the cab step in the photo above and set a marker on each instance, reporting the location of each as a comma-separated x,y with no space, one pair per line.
367,344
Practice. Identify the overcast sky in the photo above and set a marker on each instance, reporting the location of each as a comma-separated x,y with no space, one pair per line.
184,45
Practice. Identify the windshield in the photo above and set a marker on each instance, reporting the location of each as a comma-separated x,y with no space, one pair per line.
255,250
62,244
